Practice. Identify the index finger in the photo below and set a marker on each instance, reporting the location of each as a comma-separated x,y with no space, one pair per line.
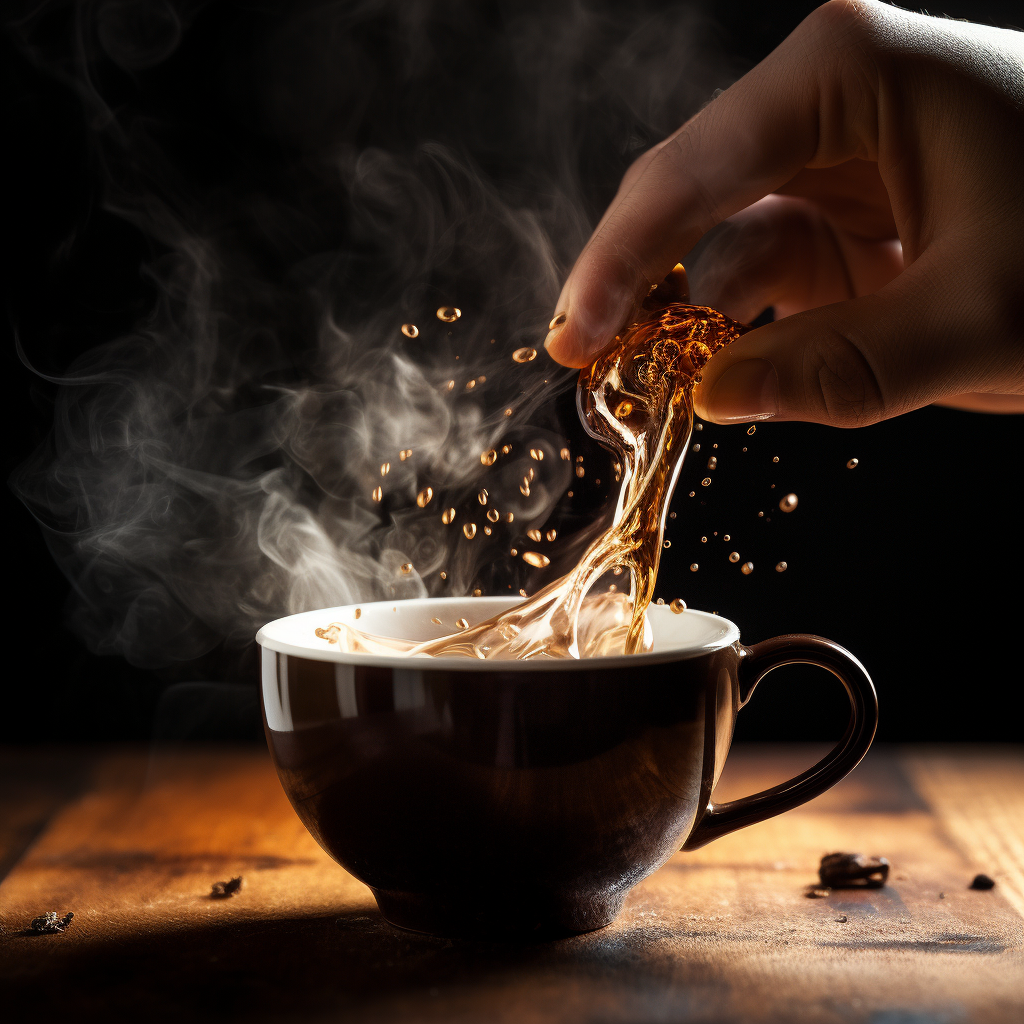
811,103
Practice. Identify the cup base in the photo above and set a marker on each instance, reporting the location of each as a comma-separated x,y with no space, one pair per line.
460,916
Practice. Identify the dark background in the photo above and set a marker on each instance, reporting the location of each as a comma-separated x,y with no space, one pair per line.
910,560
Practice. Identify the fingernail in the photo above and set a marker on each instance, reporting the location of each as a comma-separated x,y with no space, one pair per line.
557,322
746,391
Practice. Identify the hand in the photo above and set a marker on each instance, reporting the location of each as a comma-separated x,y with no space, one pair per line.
868,127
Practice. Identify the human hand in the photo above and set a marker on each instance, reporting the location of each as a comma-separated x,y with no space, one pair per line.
866,128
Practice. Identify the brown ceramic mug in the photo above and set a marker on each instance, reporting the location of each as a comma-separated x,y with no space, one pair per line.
511,797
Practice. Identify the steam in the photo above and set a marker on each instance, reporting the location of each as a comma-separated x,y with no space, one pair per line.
213,469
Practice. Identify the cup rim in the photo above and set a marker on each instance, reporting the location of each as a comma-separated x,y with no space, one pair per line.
722,633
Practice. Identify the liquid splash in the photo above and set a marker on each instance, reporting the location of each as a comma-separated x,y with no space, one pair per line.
637,399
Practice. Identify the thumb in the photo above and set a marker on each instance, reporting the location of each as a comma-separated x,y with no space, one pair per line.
847,364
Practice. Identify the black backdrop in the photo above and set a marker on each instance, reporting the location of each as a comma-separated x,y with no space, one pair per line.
910,560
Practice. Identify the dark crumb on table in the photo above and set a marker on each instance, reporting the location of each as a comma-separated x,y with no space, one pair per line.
50,923
222,890
816,892
853,871
842,920
983,882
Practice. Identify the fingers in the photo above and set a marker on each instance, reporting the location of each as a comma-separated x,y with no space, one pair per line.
786,253
788,112
982,401
852,363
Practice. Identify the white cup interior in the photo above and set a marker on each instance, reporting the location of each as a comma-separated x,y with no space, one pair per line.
676,636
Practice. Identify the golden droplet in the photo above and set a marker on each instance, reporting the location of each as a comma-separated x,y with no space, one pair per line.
357,613
377,494
747,568
423,498
660,600
579,458
451,385
698,426
469,530
696,448
706,482
407,568
524,487
478,592
703,540
775,458
470,384
536,559
550,536
524,355
726,538
488,457
449,314
566,454
678,606
580,472
487,531
522,593
405,453
444,575
734,556
752,429
617,571
533,534
505,449
568,494
557,320
781,567
713,462
536,453
481,379
508,412
493,515
613,589
461,624
448,516
482,497
410,330
513,552
789,502
623,409
385,468
853,464
436,621
666,544
694,567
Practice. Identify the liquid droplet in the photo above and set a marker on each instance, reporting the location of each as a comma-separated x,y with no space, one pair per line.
444,575
566,455
660,600
536,453
698,426
470,384
469,530
482,497
508,412
436,621
410,330
617,571
405,453
451,385
488,457
533,534
666,544
703,540
694,567
407,568
696,447
513,552
751,429
853,464
377,494
448,516
493,515
580,472
678,606
781,567
734,556
775,458
726,538
713,462
524,355
449,314
550,536
461,624
357,613
423,498
623,409
671,515
706,482
478,592
385,468
536,559
505,449
788,503
509,516
524,487
557,320
747,568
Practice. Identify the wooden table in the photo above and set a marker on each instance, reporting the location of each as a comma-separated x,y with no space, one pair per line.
131,841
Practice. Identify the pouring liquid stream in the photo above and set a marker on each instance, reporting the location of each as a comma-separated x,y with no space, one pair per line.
637,399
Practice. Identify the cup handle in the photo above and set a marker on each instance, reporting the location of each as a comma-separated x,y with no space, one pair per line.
755,663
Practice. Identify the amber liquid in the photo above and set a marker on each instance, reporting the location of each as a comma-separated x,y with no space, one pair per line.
638,400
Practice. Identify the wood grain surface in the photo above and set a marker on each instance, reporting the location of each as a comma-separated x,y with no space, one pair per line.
132,840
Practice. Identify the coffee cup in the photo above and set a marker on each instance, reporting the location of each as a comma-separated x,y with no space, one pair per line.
524,797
